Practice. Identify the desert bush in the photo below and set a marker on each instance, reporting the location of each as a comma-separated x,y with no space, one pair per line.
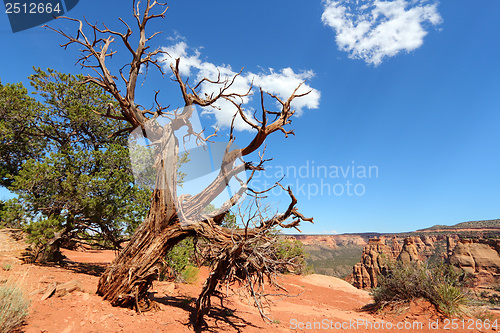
403,283
451,300
441,285
13,307
177,260
293,252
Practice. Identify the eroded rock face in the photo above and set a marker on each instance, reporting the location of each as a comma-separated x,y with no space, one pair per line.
451,242
428,241
396,247
477,256
332,241
480,257
375,255
373,258
409,251
360,277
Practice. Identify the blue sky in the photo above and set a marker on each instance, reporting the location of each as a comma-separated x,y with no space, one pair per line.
408,88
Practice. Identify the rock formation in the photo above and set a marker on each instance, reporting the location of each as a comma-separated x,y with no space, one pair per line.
375,253
450,244
409,251
477,256
396,247
332,241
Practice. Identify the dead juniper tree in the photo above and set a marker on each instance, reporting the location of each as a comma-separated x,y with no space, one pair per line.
240,253
247,263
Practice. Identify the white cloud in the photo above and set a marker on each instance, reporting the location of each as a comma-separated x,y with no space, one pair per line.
331,232
280,83
373,29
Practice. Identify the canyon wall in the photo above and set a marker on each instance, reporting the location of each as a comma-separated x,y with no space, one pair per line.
478,256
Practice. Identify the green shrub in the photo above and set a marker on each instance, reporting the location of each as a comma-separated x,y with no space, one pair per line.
293,252
13,307
177,260
404,283
12,214
451,300
441,285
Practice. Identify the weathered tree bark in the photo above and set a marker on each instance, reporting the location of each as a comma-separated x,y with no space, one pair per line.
127,280
52,251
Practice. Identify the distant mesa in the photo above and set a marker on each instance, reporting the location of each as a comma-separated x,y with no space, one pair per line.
484,224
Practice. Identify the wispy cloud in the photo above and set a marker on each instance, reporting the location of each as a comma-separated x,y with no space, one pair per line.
280,83
372,30
330,232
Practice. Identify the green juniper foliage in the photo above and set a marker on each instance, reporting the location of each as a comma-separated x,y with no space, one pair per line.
294,252
71,174
12,214
177,260
18,113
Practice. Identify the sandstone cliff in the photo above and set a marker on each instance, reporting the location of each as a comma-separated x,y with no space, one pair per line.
373,258
333,241
405,249
479,256
409,251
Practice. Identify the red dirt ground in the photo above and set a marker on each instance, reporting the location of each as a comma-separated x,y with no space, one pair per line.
329,303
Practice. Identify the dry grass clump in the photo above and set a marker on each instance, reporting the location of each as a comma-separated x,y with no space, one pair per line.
14,304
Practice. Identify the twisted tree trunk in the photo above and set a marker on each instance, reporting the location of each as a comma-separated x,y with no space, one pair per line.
127,280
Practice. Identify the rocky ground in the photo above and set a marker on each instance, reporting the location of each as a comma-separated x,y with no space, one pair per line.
319,303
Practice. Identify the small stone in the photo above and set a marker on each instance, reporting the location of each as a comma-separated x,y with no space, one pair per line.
70,286
49,292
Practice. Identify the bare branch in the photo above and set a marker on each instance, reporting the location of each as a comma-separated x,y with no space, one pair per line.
97,48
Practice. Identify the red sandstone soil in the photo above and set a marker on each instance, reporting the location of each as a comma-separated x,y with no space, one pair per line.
329,302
